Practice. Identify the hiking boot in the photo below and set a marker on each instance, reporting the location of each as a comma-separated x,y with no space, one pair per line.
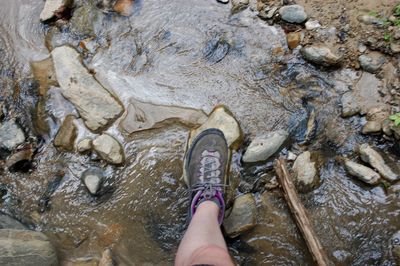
207,169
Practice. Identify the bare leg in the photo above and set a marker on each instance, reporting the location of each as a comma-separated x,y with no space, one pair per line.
203,230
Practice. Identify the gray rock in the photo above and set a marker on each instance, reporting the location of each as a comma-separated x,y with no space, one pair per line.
84,145
242,217
84,20
95,104
6,222
66,135
362,48
11,135
349,105
109,149
373,158
264,146
22,247
362,172
372,62
312,25
293,13
372,127
320,55
93,178
369,20
238,5
305,172
52,7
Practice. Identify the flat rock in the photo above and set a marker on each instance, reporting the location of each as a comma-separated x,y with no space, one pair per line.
93,178
142,116
372,62
373,158
23,247
242,217
52,7
320,55
362,172
11,135
264,146
6,222
293,13
305,172
95,104
109,149
67,133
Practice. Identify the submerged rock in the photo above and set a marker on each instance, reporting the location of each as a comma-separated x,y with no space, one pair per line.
109,149
242,217
106,258
124,7
95,104
54,8
43,71
93,178
320,55
372,62
66,136
293,13
305,172
11,135
239,5
303,125
373,158
84,20
216,49
6,222
23,247
362,172
395,245
264,146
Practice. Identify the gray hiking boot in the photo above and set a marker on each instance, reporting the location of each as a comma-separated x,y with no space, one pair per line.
207,169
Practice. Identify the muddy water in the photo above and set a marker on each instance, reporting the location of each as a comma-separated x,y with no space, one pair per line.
195,55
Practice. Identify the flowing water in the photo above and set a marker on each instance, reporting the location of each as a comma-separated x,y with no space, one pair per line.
192,54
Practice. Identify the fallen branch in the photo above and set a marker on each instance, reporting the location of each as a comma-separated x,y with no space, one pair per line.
300,213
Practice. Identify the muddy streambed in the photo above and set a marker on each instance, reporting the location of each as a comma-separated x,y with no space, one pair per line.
194,55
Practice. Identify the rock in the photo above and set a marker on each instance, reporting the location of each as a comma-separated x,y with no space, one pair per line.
109,149
362,172
43,71
305,172
142,116
268,14
20,161
372,62
84,145
291,156
320,55
312,25
349,105
395,47
394,189
23,247
362,48
264,146
372,127
84,21
124,7
239,5
293,39
6,222
66,135
373,158
396,33
93,178
95,104
53,8
303,125
223,1
11,135
106,258
242,217
293,13
387,127
369,20
395,245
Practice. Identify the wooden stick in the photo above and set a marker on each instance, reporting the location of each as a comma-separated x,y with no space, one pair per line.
300,213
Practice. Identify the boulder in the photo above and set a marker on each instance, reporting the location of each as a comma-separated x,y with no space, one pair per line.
95,104
264,146
373,158
93,178
372,62
362,172
305,172
66,135
23,247
320,55
242,216
109,149
11,135
54,7
293,13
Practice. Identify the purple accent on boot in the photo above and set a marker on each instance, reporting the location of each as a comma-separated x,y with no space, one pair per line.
218,199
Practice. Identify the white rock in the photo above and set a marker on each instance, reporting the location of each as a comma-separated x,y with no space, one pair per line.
109,149
312,25
95,104
362,172
53,6
92,178
305,171
84,145
264,146
11,135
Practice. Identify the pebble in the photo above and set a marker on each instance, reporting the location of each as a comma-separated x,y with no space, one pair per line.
320,55
291,156
395,47
293,39
396,33
109,149
369,20
264,146
84,145
372,127
312,25
11,135
52,7
242,217
362,172
124,7
362,48
92,178
66,135
372,62
293,13
373,158
305,172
